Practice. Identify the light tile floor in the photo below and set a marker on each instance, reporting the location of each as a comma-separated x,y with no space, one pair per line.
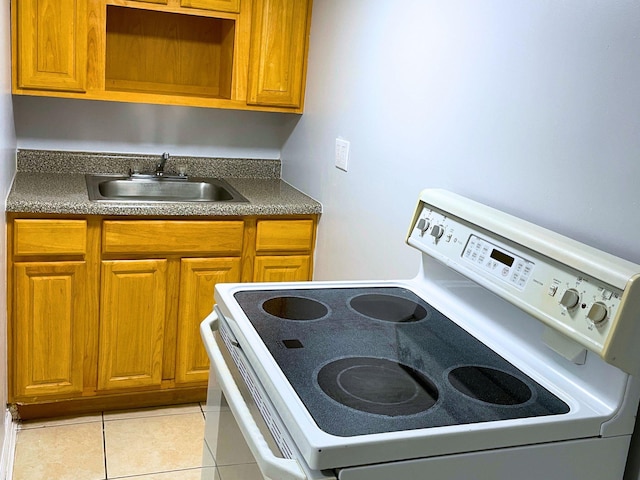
149,444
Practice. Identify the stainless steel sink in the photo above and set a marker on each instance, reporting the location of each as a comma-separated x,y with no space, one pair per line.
151,188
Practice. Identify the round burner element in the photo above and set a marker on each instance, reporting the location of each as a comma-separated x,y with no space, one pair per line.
489,385
388,308
377,385
295,308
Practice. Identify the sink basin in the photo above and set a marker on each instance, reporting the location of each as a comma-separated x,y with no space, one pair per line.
149,188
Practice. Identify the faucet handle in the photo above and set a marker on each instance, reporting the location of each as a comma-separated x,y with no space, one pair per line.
161,163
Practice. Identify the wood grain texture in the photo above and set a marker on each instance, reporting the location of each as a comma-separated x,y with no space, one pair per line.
172,236
219,5
128,296
282,268
160,52
203,53
277,61
132,318
284,236
198,278
52,44
49,335
50,237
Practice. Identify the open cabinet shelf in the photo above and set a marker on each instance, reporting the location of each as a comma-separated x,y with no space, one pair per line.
167,53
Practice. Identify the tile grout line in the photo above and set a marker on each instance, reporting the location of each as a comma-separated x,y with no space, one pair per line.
103,421
104,446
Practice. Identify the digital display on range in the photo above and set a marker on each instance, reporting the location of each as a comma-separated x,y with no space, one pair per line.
502,257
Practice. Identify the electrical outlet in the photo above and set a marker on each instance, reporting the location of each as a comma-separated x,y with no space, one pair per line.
342,153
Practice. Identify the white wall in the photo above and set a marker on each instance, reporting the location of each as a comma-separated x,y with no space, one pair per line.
532,107
7,169
81,125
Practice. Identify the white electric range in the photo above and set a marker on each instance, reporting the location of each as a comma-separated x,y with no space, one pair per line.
510,355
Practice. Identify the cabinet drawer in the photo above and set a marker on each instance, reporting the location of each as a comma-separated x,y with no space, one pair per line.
49,237
284,236
163,236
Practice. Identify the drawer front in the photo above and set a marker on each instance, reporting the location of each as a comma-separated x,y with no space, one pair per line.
167,236
284,236
49,237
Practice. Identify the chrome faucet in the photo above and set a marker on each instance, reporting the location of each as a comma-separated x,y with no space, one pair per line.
160,165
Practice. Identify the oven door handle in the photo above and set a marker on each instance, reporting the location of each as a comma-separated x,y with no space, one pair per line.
270,465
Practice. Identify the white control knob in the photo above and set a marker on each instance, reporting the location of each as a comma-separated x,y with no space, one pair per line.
570,299
597,313
437,231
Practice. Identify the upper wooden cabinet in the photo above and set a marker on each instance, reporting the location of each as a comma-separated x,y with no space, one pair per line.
52,51
278,47
248,55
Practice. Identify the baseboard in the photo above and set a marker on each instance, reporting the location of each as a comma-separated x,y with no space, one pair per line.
107,402
8,446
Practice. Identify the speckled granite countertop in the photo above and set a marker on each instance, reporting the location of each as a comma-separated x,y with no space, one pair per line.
54,182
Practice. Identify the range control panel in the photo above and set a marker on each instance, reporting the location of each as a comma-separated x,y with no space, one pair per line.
499,262
567,300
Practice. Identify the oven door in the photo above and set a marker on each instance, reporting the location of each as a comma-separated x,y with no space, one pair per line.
251,408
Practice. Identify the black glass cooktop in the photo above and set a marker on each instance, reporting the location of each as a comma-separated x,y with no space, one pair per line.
373,360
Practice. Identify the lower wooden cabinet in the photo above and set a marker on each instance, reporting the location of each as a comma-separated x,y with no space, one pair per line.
49,326
132,322
283,250
285,268
198,278
105,312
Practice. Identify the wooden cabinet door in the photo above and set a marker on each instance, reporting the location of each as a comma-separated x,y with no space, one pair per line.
52,44
277,56
132,321
198,277
282,268
49,329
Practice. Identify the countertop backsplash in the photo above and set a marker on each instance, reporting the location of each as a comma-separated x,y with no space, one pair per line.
48,161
